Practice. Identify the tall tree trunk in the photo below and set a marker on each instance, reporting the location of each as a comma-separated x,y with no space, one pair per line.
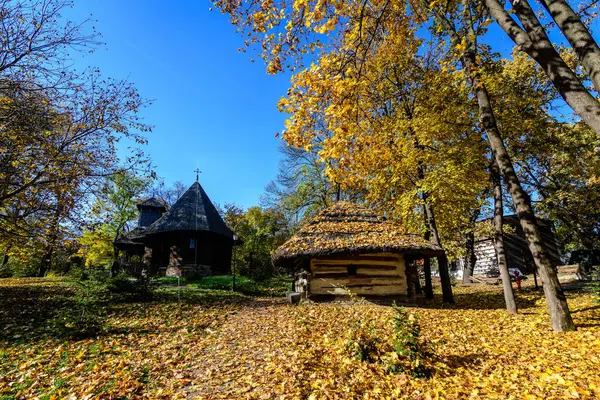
555,298
428,289
578,35
447,296
534,41
45,262
5,257
509,296
470,258
115,265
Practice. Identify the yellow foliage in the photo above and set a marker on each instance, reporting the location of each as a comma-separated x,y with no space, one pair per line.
269,349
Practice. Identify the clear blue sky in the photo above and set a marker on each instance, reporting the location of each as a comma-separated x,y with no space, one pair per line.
212,106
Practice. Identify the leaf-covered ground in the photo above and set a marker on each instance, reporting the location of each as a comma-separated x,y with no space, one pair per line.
221,345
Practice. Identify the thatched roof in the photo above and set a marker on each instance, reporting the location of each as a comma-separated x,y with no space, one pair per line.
192,212
346,228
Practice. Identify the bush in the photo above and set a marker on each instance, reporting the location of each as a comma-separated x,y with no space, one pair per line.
86,315
404,351
17,269
410,352
363,342
132,288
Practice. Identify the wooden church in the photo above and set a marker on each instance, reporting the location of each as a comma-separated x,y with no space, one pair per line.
348,249
188,238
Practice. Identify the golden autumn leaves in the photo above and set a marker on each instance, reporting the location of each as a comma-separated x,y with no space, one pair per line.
266,349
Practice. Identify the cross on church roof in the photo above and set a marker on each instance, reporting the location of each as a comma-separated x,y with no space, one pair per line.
197,171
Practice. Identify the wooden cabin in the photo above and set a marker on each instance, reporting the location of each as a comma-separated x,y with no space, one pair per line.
516,248
348,249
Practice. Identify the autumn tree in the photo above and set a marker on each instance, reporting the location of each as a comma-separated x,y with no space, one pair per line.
365,26
262,231
60,128
112,213
531,36
301,188
169,194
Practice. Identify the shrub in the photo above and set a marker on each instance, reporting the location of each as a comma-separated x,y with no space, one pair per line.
363,342
404,351
409,350
275,286
18,269
86,315
132,288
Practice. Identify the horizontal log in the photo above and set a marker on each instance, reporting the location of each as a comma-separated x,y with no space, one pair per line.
399,270
354,261
354,281
371,257
383,267
346,276
362,291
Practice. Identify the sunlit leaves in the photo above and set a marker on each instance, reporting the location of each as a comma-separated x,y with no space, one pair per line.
268,349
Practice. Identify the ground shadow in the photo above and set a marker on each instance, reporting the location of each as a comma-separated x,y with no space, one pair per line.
592,308
463,301
28,312
464,361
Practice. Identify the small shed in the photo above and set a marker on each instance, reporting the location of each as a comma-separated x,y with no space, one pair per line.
349,249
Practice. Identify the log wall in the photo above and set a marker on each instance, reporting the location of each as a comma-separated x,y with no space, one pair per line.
380,274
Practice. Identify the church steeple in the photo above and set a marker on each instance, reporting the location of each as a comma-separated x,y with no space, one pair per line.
192,212
150,211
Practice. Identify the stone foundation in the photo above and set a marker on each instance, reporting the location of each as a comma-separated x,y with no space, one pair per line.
189,271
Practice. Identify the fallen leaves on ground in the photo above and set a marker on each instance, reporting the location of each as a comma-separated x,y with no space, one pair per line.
267,349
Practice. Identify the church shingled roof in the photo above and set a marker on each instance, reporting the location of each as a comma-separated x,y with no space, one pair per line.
151,202
347,228
192,212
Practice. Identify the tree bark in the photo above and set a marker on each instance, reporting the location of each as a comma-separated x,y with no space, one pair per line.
534,41
428,289
5,257
555,298
447,296
470,258
45,262
418,289
578,36
509,296
115,265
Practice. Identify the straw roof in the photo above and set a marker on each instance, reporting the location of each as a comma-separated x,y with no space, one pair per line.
346,228
192,212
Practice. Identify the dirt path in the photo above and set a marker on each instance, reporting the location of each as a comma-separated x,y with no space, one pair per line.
237,358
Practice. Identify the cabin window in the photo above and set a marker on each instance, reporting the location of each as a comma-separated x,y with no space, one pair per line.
192,244
351,269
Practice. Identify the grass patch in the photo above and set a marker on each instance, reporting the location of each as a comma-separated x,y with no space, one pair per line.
271,287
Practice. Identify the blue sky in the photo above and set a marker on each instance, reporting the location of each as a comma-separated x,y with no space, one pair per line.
213,108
